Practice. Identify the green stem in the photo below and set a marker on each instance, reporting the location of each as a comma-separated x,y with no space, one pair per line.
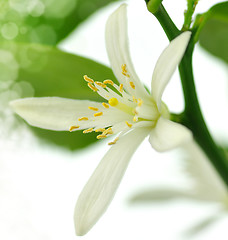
194,119
188,14
166,22
192,116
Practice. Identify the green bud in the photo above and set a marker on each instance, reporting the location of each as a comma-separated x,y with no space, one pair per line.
153,5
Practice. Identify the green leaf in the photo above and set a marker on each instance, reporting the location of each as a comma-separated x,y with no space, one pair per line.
214,33
52,72
47,71
44,21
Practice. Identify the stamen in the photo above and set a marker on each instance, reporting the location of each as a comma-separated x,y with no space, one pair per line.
100,130
140,102
83,119
126,74
101,84
73,128
134,99
124,70
128,124
113,102
98,114
93,108
89,130
115,140
101,136
87,79
92,87
132,85
121,87
135,119
105,105
108,82
108,131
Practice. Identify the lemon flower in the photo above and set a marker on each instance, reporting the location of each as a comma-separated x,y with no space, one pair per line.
128,110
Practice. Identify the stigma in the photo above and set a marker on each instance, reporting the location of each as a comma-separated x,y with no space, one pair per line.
113,102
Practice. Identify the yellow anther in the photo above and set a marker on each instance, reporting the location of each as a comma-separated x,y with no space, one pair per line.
121,87
87,79
124,70
105,105
89,130
100,130
93,108
132,85
134,99
73,128
128,124
140,102
126,74
83,119
92,87
101,84
135,119
113,142
101,136
108,131
113,102
108,82
98,114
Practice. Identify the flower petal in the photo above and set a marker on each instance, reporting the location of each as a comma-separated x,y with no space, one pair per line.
118,50
208,185
168,135
166,65
101,187
52,112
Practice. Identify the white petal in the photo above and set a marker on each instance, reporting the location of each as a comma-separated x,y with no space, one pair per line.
167,63
101,187
52,112
208,184
168,135
118,50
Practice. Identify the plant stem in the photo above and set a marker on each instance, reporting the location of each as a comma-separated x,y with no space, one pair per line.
188,14
166,22
192,116
194,120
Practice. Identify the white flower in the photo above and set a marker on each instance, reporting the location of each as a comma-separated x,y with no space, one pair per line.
129,111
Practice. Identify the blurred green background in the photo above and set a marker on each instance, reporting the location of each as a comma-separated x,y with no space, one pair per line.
31,65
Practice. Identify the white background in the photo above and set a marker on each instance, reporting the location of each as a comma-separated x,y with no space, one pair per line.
39,186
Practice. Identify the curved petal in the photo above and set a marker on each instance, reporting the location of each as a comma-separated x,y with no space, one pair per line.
52,113
166,65
118,50
101,187
168,135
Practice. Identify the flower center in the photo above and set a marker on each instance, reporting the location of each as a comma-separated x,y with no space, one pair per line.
134,111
